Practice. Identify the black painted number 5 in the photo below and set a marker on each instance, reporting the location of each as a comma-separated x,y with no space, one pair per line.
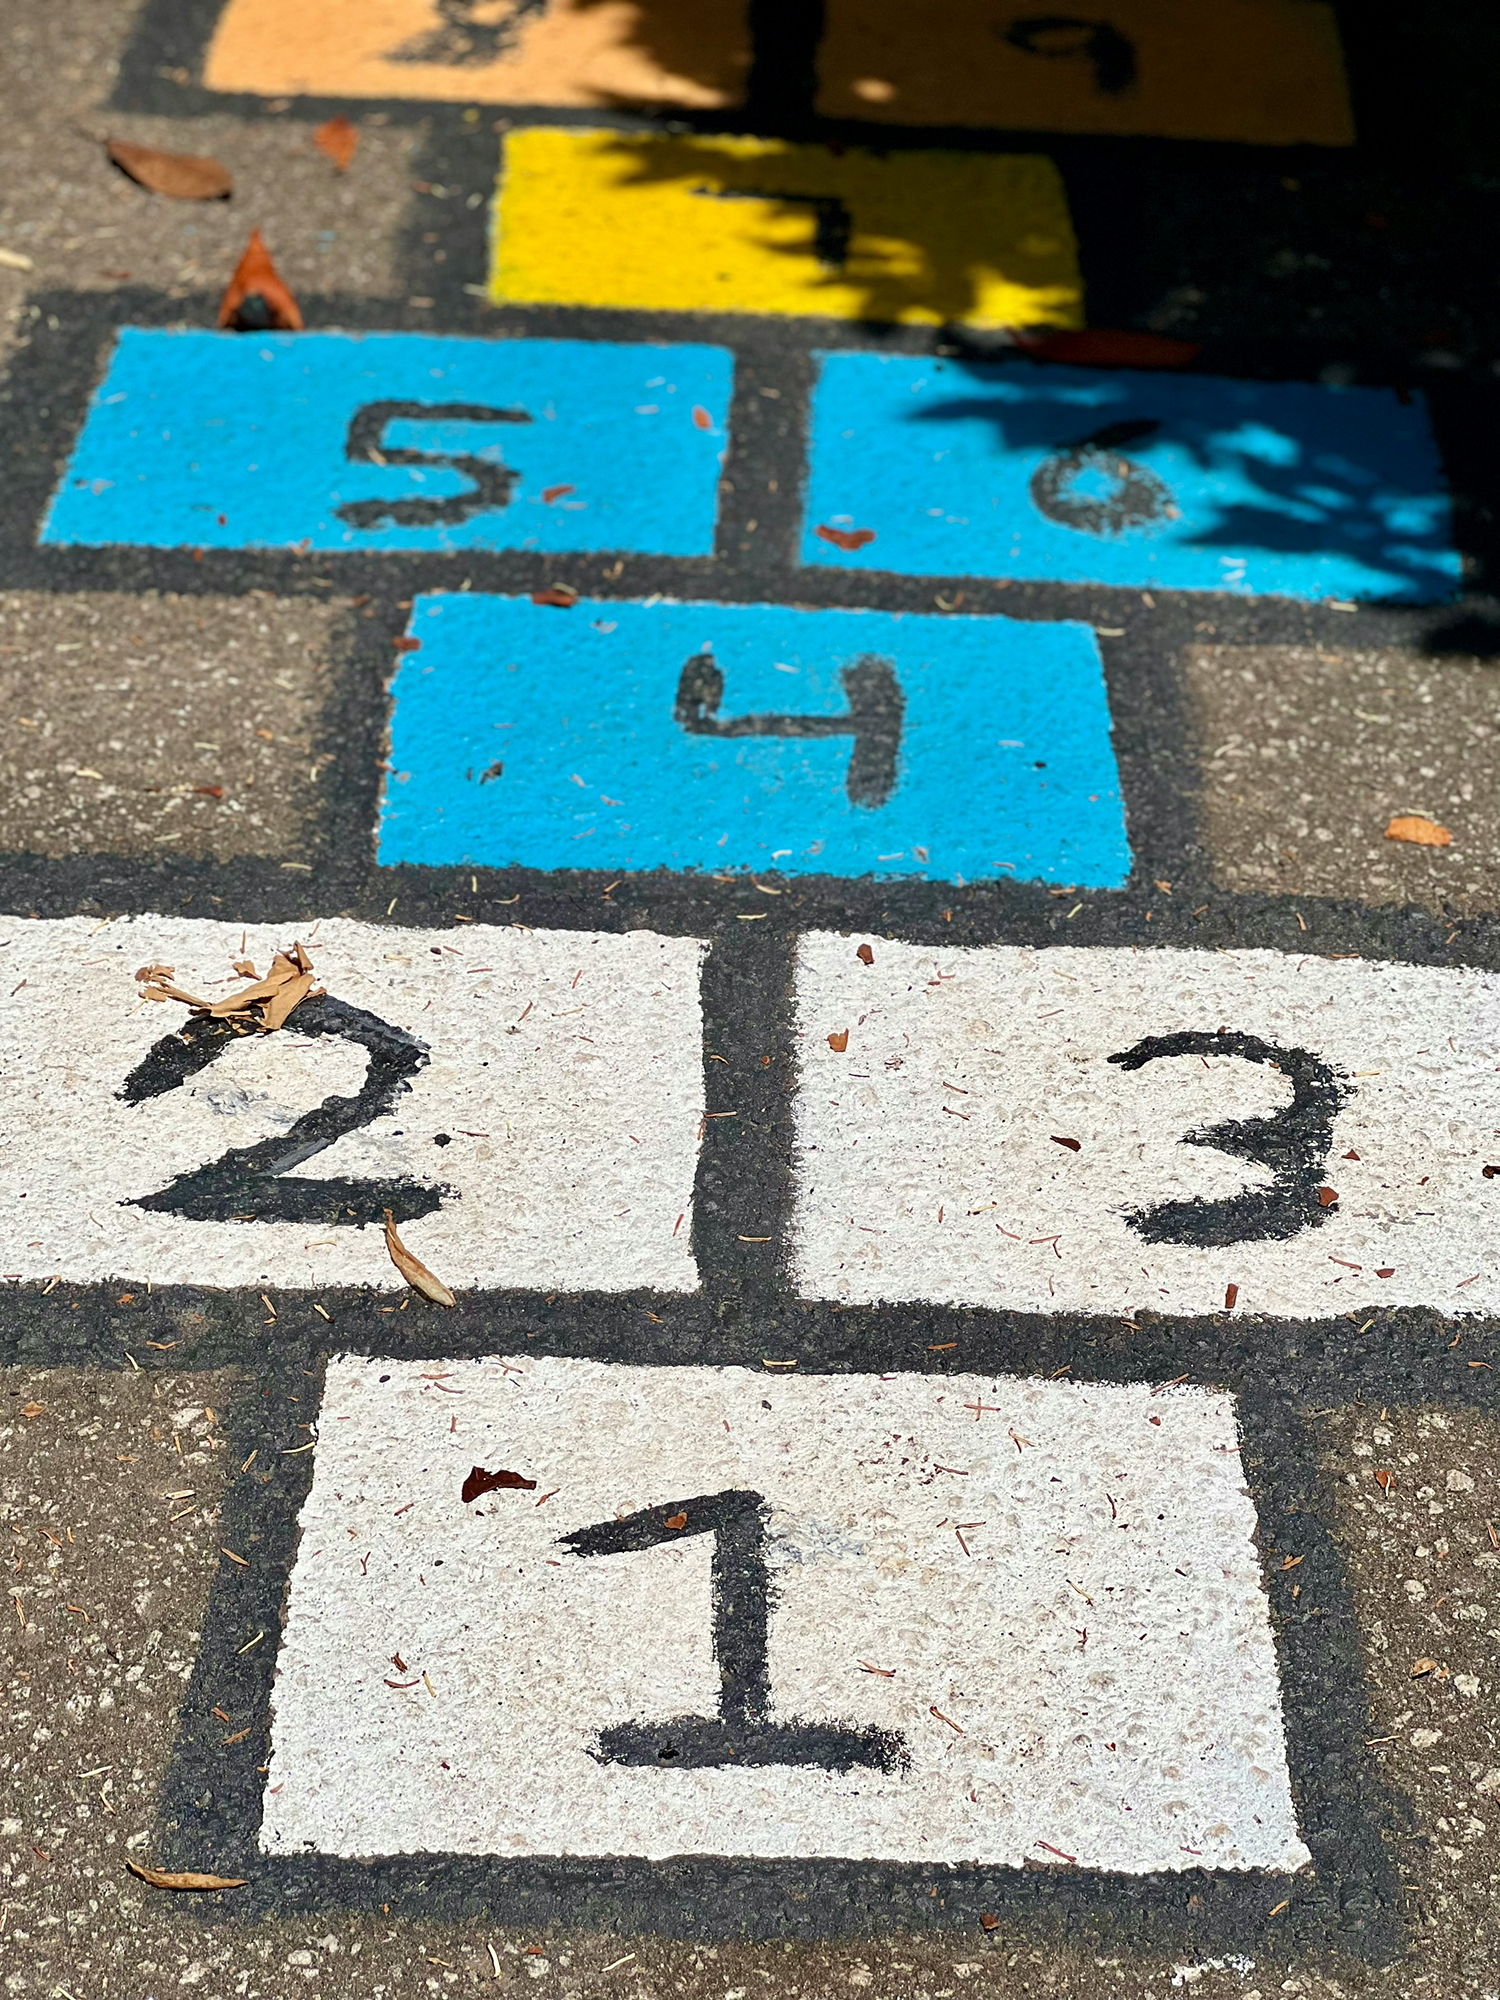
1293,1142
253,1183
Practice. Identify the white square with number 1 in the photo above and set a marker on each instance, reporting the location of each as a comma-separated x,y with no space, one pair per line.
1114,1131
905,1618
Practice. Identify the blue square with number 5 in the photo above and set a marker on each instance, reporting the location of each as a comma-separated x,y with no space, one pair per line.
358,441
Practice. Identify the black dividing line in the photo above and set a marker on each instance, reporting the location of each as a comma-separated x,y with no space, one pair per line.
742,1195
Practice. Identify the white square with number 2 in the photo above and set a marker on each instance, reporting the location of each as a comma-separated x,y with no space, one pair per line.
906,1617
528,1102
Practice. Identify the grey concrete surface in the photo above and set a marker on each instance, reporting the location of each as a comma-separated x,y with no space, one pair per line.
1308,753
135,724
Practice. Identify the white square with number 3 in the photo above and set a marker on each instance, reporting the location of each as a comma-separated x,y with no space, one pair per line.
1048,1130
978,1619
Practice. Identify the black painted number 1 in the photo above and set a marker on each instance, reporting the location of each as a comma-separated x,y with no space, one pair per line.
741,1732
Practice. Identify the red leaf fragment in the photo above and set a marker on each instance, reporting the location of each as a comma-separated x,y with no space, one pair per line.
1385,1480
838,1041
1388,1272
256,300
1105,347
1351,1154
847,539
988,1921
563,595
701,418
479,1481
676,1520
1073,1145
1327,1196
551,493
1231,1296
209,791
865,955
407,644
339,140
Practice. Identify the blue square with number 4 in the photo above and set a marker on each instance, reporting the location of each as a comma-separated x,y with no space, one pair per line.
645,735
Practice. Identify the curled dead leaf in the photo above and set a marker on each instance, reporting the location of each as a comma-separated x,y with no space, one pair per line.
413,1269
255,299
339,140
265,1003
1385,1480
32,1409
1420,832
1420,1667
182,176
184,1878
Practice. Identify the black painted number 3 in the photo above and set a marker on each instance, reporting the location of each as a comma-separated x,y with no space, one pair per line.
741,1732
253,1183
1294,1143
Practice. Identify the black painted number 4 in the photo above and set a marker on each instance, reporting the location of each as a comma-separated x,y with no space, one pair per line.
255,1183
741,1731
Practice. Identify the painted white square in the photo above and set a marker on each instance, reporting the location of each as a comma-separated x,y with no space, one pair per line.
928,1158
1094,1676
566,1072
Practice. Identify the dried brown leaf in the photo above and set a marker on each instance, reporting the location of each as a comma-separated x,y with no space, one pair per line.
184,1878
182,176
32,1409
838,1041
1420,1667
281,1003
675,1521
1420,832
413,1269
339,140
480,1482
563,595
866,954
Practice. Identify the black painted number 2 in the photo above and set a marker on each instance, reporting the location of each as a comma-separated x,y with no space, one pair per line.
741,1732
254,1183
1293,1142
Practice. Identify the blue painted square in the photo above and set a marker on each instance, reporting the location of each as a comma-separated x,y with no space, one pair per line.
1114,476
398,441
632,736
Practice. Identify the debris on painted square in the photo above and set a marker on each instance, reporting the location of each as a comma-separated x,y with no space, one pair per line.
255,299
265,1003
416,1273
182,176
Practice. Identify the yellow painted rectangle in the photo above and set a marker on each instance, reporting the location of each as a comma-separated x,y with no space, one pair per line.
596,53
1266,72
757,226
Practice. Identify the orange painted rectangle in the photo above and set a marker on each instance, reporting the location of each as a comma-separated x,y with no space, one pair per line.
1265,72
598,53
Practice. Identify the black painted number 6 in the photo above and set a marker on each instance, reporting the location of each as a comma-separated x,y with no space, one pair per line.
246,1184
